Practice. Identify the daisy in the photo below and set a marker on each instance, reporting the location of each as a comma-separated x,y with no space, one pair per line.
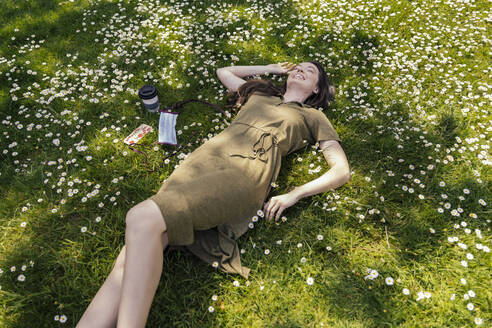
310,281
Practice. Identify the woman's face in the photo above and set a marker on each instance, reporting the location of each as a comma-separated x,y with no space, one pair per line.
304,76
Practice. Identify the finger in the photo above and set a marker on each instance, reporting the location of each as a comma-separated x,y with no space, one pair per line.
272,211
267,212
279,212
267,209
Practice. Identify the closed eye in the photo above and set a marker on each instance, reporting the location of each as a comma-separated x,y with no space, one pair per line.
309,69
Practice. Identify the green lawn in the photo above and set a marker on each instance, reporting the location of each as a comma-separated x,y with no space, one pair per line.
413,110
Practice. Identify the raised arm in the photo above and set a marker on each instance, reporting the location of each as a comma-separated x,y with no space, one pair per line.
336,176
231,76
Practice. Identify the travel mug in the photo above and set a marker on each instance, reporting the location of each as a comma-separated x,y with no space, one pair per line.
148,94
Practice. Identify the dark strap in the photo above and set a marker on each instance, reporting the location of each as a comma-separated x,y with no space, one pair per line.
179,105
175,107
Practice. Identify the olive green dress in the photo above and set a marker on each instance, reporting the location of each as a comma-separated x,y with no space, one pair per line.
210,200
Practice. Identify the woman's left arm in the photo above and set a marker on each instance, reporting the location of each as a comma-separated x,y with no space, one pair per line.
337,175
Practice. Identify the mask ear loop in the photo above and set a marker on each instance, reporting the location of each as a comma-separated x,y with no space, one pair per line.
132,147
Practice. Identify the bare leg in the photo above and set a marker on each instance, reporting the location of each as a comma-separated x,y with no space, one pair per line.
103,309
143,263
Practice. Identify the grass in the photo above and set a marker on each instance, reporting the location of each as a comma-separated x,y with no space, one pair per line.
412,110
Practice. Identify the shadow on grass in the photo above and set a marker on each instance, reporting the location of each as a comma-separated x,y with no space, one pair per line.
373,147
65,261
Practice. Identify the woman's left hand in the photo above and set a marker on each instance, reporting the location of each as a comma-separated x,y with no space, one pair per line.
277,204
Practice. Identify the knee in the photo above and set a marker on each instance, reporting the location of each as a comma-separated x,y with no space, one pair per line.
140,220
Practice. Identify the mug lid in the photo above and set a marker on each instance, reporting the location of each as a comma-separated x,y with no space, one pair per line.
147,92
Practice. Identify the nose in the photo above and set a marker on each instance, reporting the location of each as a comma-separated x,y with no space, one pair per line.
297,70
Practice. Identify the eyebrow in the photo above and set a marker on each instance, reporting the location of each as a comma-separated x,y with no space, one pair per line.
309,66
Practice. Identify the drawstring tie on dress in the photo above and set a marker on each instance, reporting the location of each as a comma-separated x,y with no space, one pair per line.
260,150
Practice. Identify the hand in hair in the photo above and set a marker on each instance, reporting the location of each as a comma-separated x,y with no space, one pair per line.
281,68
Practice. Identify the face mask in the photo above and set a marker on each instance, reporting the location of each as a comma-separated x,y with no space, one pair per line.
167,128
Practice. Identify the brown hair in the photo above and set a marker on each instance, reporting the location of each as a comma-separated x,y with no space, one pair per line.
323,98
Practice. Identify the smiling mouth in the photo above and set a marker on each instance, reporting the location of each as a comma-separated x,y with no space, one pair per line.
299,76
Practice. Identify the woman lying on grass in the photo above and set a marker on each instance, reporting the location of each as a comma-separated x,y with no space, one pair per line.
219,190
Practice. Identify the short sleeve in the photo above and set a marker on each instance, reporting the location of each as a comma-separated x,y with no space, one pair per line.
320,127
